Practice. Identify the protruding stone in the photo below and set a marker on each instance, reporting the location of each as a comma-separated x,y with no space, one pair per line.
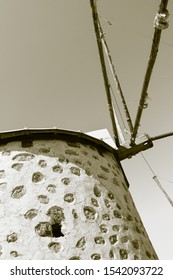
56,214
73,144
2,174
77,161
123,254
75,258
17,166
94,202
95,256
99,240
62,159
96,157
88,171
97,192
69,197
115,227
117,214
44,150
43,199
107,203
51,188
54,247
125,228
71,152
12,237
103,228
42,163
57,168
18,192
43,229
31,214
110,195
81,243
102,176
124,239
115,181
105,169
136,257
111,254
135,244
65,181
129,218
3,186
118,206
137,229
148,255
37,177
14,254
6,153
85,153
23,157
106,217
75,171
90,213
75,214
113,239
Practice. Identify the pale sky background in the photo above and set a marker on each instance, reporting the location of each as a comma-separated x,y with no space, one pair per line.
50,76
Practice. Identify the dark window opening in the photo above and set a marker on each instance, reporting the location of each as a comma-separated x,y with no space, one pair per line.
56,230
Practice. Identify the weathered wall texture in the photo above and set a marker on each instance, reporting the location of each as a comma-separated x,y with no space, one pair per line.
61,200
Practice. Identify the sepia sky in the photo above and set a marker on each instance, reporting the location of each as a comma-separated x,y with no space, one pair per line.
50,76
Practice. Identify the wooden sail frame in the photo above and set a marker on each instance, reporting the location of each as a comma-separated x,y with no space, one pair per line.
160,24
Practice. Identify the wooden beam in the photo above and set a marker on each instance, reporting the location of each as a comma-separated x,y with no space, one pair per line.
151,62
104,70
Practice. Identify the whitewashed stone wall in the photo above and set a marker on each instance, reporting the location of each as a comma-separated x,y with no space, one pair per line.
61,200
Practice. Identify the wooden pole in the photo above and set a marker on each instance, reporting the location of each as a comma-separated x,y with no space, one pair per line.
161,136
152,58
104,71
116,80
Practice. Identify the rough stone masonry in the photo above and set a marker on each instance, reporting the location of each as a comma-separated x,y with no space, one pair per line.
67,201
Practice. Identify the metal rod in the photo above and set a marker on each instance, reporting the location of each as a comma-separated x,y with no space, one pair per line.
161,136
155,178
104,71
152,58
116,80
162,189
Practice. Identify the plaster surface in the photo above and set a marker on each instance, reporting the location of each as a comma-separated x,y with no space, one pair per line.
67,200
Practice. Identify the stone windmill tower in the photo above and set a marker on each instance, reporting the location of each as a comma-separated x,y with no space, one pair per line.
64,195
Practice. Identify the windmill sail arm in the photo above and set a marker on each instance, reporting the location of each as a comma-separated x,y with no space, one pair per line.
161,136
115,78
152,58
104,70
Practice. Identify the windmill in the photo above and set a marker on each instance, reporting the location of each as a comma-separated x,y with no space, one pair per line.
64,194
